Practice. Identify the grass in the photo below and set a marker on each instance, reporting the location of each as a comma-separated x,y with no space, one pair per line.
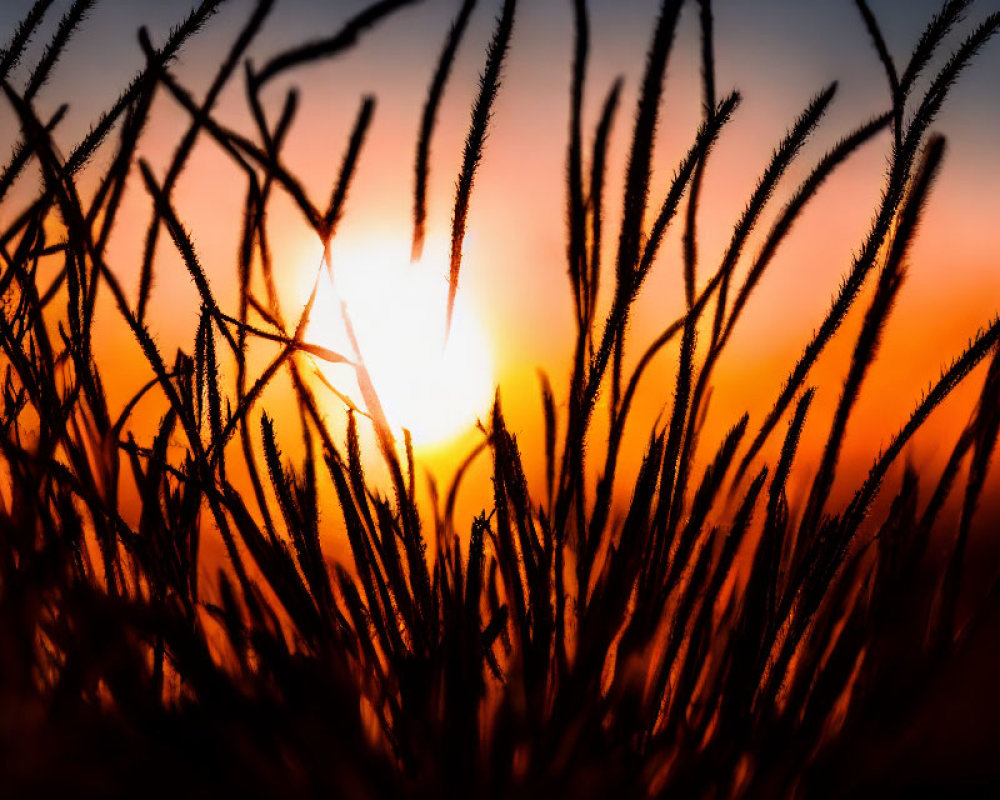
691,646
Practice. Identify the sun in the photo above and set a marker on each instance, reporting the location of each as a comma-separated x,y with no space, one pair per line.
434,388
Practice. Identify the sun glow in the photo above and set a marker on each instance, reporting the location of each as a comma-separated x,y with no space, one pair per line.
434,389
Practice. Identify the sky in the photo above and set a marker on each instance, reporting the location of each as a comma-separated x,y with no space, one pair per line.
778,53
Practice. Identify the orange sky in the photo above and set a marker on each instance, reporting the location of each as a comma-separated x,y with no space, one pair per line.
513,277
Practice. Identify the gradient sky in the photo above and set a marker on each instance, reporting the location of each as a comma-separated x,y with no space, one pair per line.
777,52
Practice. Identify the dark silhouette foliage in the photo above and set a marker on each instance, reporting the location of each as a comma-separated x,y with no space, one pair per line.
710,640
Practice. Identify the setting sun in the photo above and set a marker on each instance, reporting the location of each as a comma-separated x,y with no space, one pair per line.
576,399
434,389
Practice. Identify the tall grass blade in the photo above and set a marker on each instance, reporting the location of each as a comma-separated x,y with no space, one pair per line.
482,111
428,120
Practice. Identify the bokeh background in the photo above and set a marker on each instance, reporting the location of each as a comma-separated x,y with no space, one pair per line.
778,53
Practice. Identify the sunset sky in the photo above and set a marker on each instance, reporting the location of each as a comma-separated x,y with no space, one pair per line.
778,53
